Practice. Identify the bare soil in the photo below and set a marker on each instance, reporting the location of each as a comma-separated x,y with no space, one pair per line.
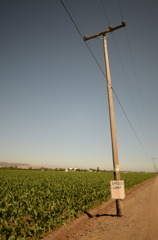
139,223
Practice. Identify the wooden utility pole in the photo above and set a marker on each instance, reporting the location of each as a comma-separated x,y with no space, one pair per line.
119,204
155,170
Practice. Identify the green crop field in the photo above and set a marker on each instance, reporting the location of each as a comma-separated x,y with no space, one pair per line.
32,203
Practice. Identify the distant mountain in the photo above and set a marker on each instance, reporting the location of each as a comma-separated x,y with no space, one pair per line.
18,165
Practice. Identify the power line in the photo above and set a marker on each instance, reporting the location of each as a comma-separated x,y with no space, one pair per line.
135,133
72,19
134,70
119,5
132,61
78,30
127,118
104,10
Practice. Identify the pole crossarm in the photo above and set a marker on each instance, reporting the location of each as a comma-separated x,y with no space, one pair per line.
110,29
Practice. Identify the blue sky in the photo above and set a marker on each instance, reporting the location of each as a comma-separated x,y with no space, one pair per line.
53,97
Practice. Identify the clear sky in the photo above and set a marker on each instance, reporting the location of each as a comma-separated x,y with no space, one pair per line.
53,97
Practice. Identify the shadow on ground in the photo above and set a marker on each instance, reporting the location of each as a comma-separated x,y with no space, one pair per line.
99,215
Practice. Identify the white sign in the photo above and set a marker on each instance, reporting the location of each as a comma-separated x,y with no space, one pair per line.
117,189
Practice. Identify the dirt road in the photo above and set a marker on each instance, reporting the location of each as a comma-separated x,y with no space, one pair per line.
139,223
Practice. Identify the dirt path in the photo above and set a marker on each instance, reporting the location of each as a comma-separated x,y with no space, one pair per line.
140,221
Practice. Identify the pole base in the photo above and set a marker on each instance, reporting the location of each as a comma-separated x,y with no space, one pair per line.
119,208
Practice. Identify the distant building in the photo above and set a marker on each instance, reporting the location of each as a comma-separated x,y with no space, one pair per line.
70,170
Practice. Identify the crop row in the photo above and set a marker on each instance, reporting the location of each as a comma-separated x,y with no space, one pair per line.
33,203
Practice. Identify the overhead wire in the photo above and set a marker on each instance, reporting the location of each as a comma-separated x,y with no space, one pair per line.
79,32
134,70
104,10
132,61
119,5
124,112
134,131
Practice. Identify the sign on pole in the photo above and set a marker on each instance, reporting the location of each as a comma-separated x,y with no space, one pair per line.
117,189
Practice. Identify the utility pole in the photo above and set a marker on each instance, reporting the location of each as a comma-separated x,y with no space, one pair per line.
119,203
155,170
